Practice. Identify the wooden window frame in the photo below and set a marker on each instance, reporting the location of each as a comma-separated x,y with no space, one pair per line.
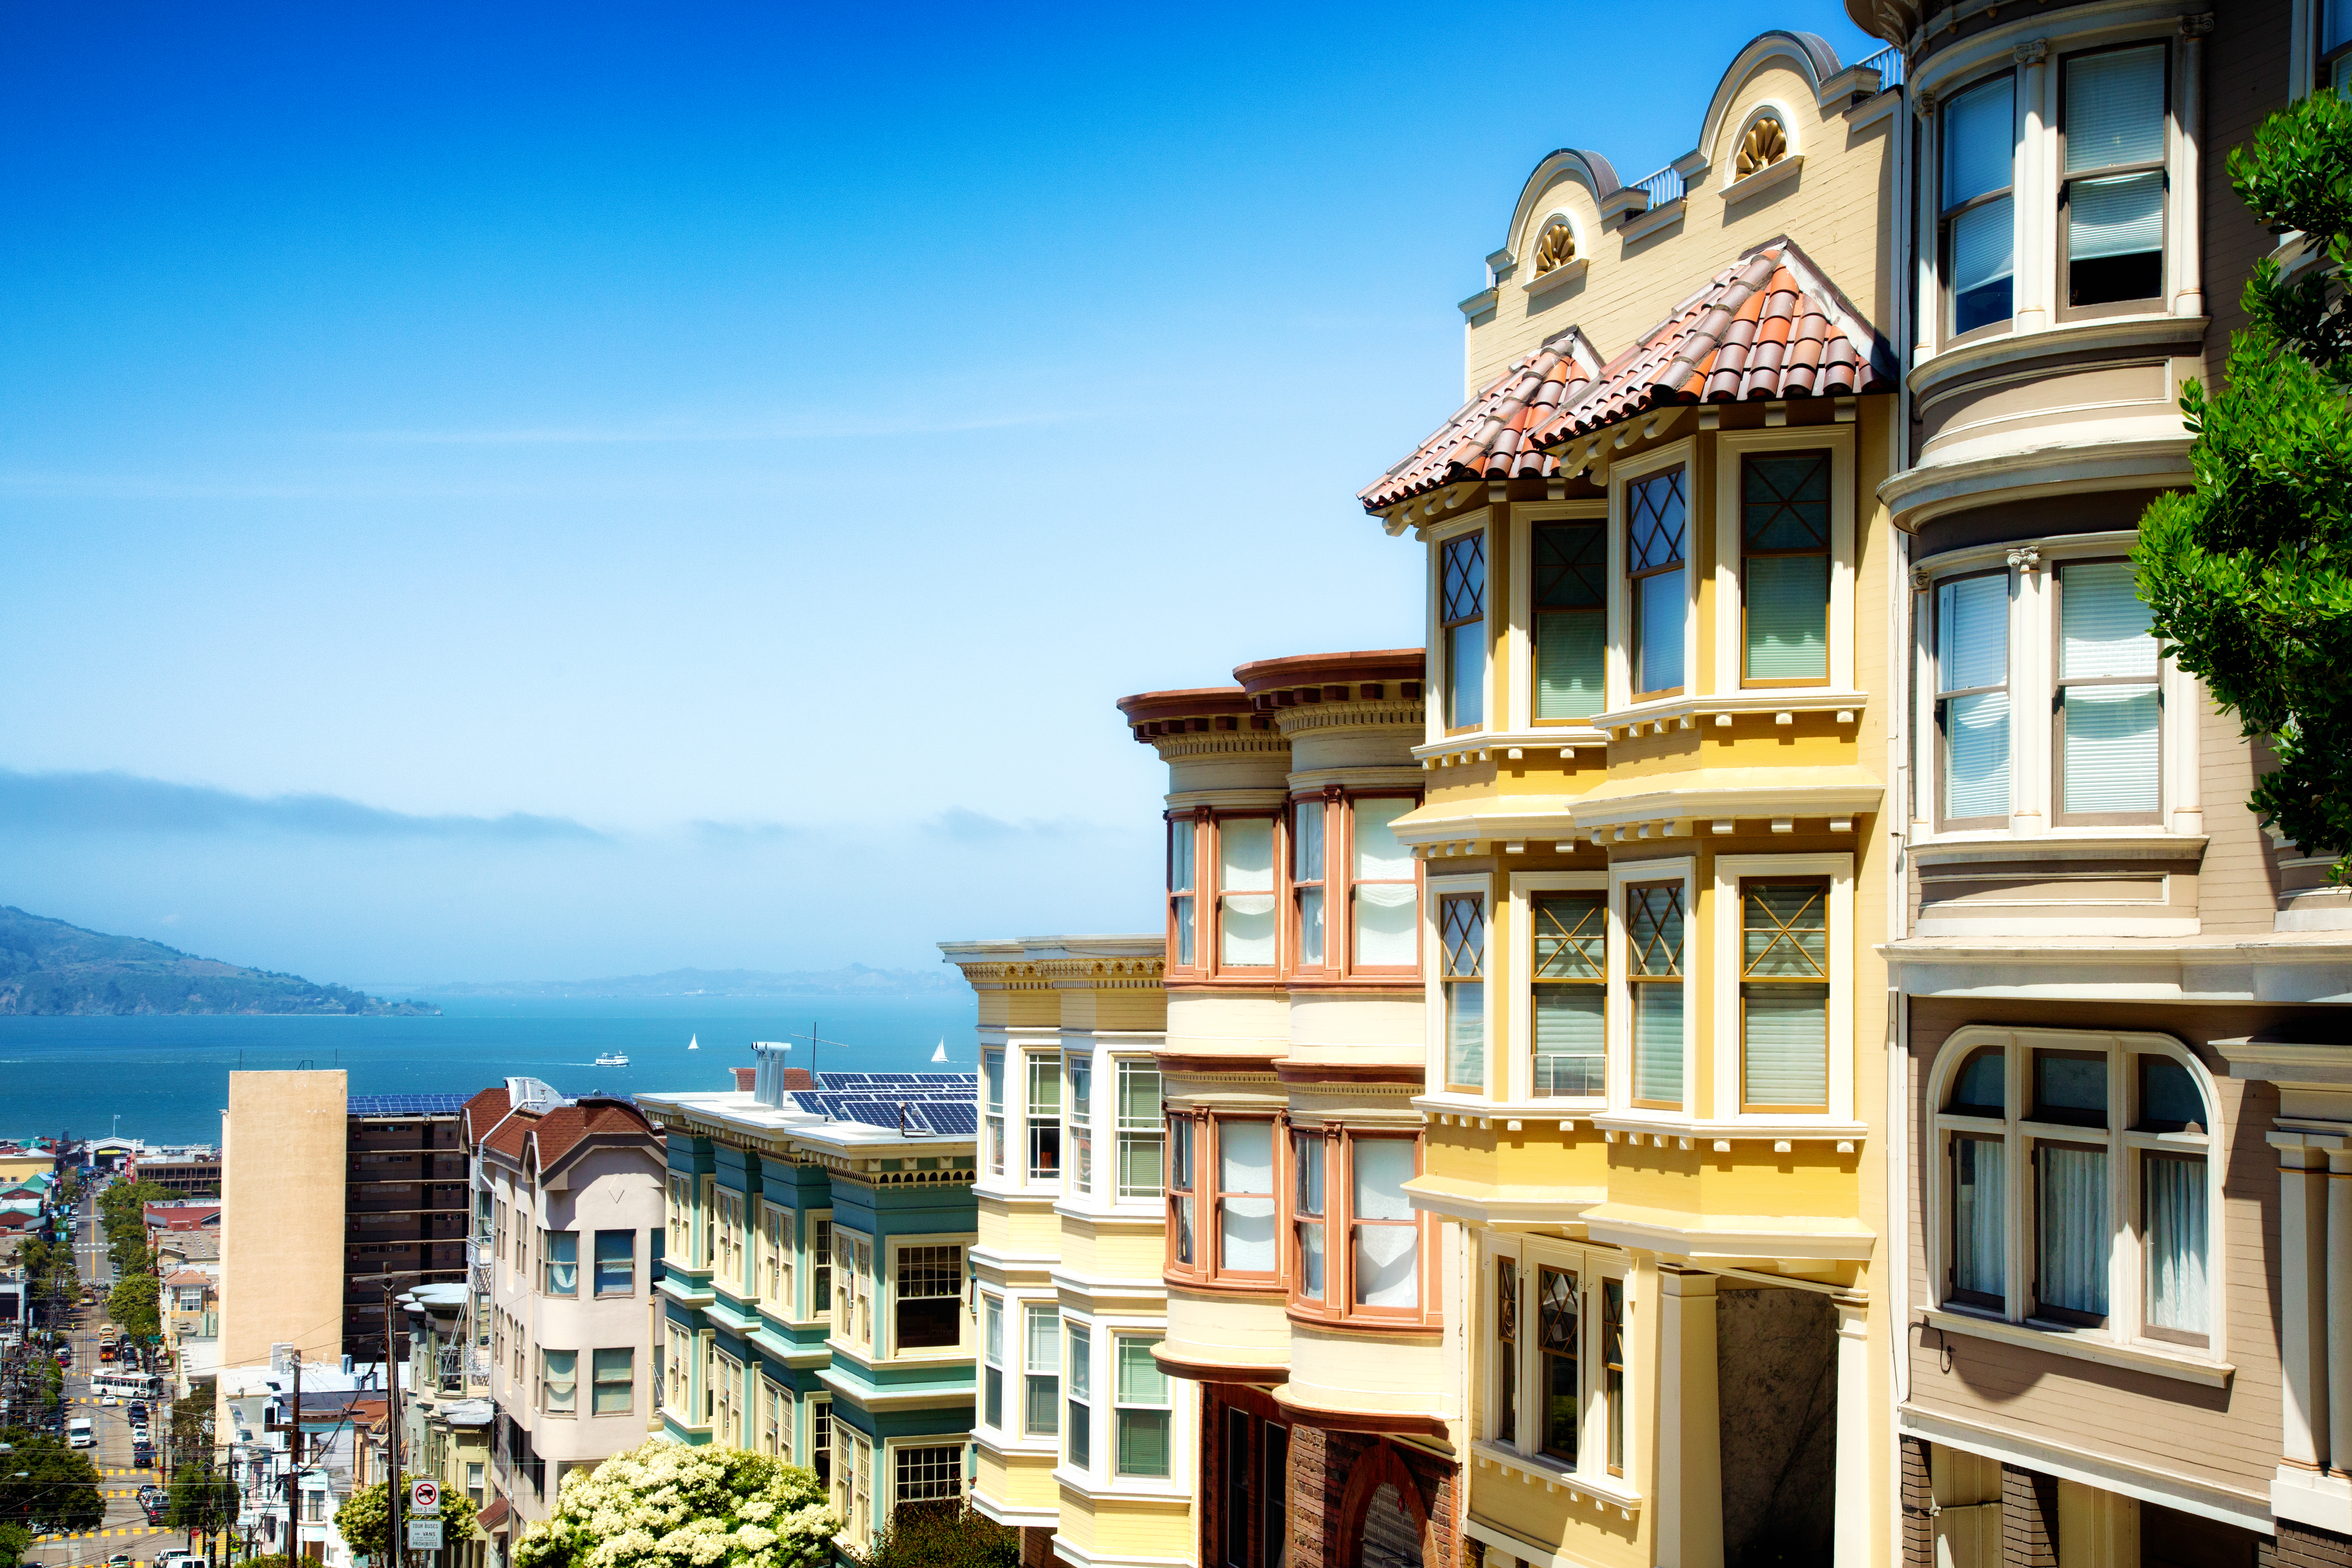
1181,1193
1348,966
1338,1305
1946,304
1682,470
1829,937
1318,803
1186,826
1941,695
2138,305
1214,962
2059,684
1310,1154
1448,624
1211,1174
1828,556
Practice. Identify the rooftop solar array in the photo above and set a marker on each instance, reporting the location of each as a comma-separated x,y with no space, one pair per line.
407,1104
937,1104
937,1083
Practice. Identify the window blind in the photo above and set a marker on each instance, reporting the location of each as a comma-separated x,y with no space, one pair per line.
2119,215
1570,1044
1984,251
1979,133
1788,617
2115,108
1787,1046
2073,1229
2104,629
1972,632
2178,1297
1972,651
2109,763
1245,1166
1658,1042
1388,1257
1568,646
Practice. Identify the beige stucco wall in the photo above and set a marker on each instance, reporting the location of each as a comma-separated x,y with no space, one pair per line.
282,1216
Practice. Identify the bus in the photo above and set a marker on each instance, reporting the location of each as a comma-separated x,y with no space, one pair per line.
126,1385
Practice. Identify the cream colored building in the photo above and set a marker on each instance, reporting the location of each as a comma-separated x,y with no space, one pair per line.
1082,1439
281,1231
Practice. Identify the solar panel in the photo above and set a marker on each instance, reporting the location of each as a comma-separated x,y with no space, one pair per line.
407,1104
918,1114
855,1082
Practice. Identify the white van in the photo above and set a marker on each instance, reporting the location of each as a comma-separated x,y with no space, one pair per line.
79,1433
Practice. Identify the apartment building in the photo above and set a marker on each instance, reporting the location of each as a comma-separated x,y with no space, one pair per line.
2120,1110
1082,1441
281,1226
813,1278
569,1191
404,1208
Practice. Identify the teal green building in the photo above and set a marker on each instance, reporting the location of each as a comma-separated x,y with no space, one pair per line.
815,1299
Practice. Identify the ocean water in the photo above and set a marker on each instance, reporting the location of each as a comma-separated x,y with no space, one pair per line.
166,1078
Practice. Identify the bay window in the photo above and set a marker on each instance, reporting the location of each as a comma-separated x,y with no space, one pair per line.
2109,708
1784,604
992,1107
1079,1137
1042,1373
1384,1232
1978,217
1569,977
1144,1410
1462,950
1139,1130
1462,629
1245,922
2111,205
1570,607
2086,1158
928,1305
1383,900
1078,1417
1784,996
1184,833
1307,1210
1972,701
1307,821
1656,535
1654,931
1245,1198
1044,1115
1556,1354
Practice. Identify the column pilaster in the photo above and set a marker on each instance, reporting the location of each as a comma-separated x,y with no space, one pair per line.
1690,1441
1851,1530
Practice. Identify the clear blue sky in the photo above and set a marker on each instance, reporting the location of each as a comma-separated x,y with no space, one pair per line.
492,491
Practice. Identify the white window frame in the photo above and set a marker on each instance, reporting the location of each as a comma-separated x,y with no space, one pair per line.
1031,1310
1733,180
1519,632
727,1382
1108,1188
1730,870
780,1300
1433,892
870,1349
1730,448
1619,662
1007,1308
787,1416
1084,1475
1436,537
2018,1132
729,1209
1591,1265
962,1349
818,1311
1520,1083
886,1455
1620,1070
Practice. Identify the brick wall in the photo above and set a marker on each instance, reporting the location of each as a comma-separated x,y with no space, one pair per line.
2303,1546
2029,1519
1322,1463
1918,1506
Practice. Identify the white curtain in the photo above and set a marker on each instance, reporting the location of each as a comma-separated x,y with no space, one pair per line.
1979,1208
2073,1224
1246,1167
1245,878
1380,855
1388,1257
2178,1295
1386,923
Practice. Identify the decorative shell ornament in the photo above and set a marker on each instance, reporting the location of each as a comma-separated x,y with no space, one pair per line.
1766,143
1556,250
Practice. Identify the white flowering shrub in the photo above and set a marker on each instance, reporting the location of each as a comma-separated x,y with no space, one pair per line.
668,1505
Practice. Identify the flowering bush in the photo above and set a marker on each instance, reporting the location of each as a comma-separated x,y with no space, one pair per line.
667,1505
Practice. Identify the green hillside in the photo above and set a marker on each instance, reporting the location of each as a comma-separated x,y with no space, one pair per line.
48,968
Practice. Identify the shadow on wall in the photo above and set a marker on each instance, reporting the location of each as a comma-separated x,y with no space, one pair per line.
1776,1370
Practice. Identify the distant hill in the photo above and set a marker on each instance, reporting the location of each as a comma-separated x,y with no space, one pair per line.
857,979
48,968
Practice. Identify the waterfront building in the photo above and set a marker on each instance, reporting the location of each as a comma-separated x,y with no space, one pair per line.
2121,1110
568,1199
813,1278
1081,1440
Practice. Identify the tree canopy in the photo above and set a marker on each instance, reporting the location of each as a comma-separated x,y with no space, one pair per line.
133,1304
59,1488
365,1522
200,1499
2250,574
667,1505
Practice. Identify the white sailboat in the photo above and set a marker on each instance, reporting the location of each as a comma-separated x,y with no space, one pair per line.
941,1053
693,1043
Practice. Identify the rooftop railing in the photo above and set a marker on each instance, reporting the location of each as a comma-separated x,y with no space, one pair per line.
1888,63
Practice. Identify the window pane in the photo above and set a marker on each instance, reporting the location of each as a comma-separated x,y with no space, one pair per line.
1785,1056
1572,1045
1140,1380
2169,1099
2110,763
1381,856
2104,625
2115,108
1976,755
1972,633
1658,612
1558,1329
1383,1165
563,1263
1658,1043
1981,1088
1386,924
2070,1088
1655,521
1788,613
1181,834
1245,1156
1388,1266
615,1370
1979,136
1979,1210
1044,1083
1307,841
1246,853
1570,936
1139,1095
2335,24
1310,926
1245,931
1139,1166
2120,216
1785,929
1784,501
1245,1161
617,1267
1465,1033
992,1076
1462,583
1310,1261
2178,1296
1569,654
1306,1159
1466,675
2071,1221
1984,265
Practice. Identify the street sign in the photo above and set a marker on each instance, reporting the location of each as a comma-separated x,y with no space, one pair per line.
424,1535
424,1497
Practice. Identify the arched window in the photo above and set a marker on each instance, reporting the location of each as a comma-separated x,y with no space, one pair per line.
1765,144
2077,1177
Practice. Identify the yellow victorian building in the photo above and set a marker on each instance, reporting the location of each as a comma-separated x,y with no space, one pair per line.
1653,874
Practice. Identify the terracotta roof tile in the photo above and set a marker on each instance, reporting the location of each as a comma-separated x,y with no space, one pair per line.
482,1111
1487,437
546,1138
1772,325
744,1078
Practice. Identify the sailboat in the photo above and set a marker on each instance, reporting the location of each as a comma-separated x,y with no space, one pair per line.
693,1043
941,1053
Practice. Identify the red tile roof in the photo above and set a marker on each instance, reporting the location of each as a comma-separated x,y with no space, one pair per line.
744,1078
494,1514
1771,325
482,1112
1487,437
545,1140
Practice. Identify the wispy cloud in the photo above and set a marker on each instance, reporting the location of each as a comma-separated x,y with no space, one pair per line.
120,803
960,824
824,428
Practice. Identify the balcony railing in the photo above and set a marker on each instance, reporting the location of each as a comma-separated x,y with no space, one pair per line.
1658,189
1888,63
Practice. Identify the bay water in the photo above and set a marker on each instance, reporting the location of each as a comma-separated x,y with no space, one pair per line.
165,1080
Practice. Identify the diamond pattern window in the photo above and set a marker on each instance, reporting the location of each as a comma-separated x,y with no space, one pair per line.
1657,524
1784,996
1462,619
1556,1328
1653,926
1462,946
1570,980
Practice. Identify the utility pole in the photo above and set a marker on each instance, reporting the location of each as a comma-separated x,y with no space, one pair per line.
294,1467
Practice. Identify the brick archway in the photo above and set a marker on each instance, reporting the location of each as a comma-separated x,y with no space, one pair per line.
1381,1466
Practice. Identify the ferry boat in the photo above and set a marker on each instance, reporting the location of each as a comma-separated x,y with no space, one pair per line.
611,1059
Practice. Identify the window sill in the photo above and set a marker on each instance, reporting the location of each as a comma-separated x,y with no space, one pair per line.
1720,709
1763,179
1511,745
2082,1346
2073,843
1611,1493
1472,1111
1559,276
1665,1131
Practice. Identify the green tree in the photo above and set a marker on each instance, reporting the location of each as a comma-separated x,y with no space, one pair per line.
943,1535
14,1540
201,1500
665,1505
44,1481
133,1304
122,1215
2250,573
363,1520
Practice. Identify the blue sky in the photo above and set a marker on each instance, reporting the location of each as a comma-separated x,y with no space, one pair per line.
514,492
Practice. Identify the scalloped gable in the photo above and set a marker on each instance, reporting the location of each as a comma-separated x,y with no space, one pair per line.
1487,437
